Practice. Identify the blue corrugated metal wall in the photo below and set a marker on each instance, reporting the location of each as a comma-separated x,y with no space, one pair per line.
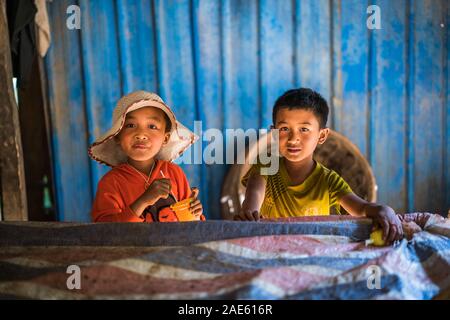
225,62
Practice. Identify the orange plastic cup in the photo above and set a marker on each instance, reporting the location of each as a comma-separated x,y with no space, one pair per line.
181,209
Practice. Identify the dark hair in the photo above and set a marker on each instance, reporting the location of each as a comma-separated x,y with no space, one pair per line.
303,98
168,123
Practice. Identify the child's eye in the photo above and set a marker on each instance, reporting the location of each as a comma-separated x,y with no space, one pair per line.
304,129
129,125
284,129
152,126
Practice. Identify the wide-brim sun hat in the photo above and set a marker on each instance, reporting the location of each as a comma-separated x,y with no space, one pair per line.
107,151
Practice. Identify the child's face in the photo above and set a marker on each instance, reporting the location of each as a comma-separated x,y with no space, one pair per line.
143,133
299,133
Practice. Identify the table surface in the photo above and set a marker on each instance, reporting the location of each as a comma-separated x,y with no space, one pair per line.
307,258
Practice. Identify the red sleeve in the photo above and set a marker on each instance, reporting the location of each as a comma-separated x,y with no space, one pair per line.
177,176
109,206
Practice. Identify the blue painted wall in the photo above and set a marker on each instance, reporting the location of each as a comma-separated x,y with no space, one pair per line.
225,62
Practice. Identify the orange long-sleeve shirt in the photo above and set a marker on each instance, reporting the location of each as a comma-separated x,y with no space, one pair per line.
121,186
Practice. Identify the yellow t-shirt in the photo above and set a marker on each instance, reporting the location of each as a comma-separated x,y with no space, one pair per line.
321,191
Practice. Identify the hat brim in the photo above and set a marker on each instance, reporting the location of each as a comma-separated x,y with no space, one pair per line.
107,151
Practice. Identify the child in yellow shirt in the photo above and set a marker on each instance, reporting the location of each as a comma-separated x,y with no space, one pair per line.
302,186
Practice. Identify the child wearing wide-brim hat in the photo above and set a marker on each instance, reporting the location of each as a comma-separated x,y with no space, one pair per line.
144,139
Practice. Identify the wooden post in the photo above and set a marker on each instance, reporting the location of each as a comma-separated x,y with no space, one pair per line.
12,173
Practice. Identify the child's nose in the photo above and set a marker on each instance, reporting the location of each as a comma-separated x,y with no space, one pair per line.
293,137
140,136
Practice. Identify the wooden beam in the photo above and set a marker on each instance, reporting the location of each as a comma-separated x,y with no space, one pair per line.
36,155
13,194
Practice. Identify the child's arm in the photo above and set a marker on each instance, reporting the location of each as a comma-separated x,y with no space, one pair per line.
110,206
383,216
254,197
159,188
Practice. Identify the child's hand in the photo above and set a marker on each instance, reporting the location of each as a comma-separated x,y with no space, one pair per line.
247,215
159,188
196,207
385,217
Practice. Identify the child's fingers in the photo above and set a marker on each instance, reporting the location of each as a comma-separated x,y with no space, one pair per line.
164,191
195,192
164,187
162,181
249,216
256,215
385,228
241,217
198,212
194,203
237,217
400,231
392,233
196,207
161,186
401,234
